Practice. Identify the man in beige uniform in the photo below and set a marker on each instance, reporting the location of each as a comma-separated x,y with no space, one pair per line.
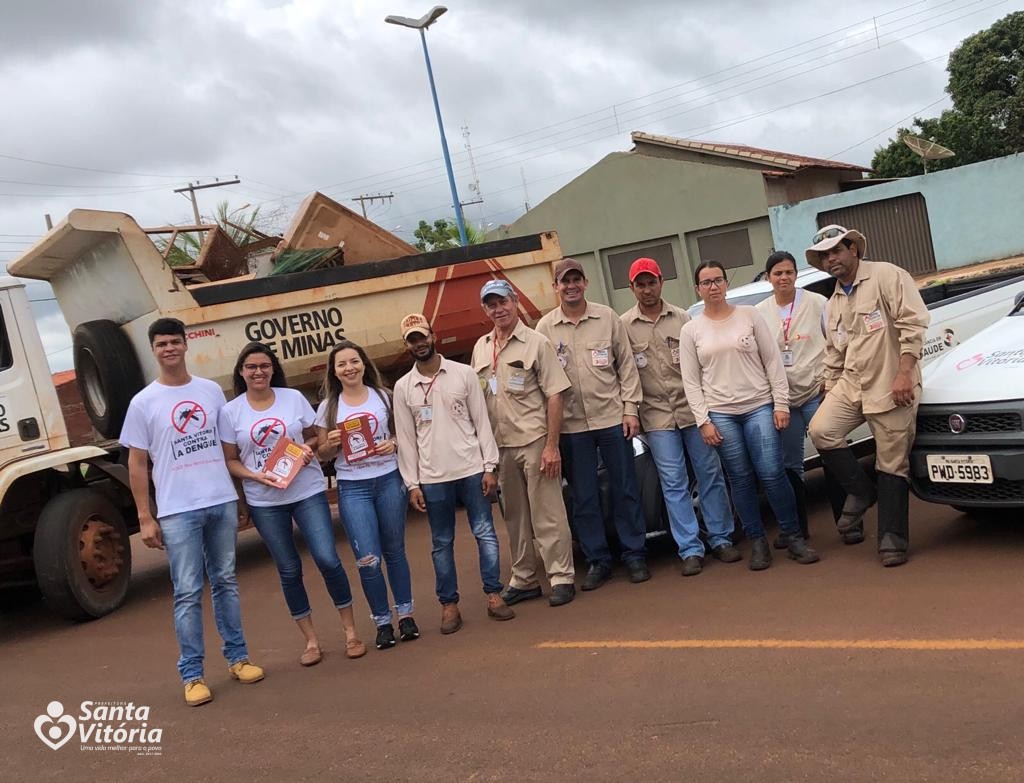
876,321
600,414
672,434
523,384
446,452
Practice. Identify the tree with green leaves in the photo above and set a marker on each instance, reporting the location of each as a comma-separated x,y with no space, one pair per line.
241,224
444,234
986,72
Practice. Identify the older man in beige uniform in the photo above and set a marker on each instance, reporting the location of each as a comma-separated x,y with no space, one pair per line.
523,384
876,321
600,414
446,452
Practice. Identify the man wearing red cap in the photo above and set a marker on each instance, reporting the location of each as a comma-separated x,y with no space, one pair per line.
600,414
653,326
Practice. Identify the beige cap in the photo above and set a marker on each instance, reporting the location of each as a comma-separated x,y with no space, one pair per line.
415,322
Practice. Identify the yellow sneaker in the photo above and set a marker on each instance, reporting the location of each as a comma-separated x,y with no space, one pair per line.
245,672
197,692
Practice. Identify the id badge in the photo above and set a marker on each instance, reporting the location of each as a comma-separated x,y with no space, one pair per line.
641,359
517,383
787,358
873,321
675,355
492,384
599,357
426,413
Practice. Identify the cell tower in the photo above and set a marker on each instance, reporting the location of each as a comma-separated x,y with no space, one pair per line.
474,186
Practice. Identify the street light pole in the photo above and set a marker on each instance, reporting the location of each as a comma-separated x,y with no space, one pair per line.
421,25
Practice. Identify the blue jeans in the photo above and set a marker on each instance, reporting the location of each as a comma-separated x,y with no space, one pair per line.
752,449
192,538
313,518
440,499
580,449
794,435
373,513
669,449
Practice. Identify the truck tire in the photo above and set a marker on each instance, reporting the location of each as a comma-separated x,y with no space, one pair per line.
108,374
82,555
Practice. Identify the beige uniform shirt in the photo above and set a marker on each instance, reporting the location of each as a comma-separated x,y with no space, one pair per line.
731,366
882,318
655,347
441,426
596,356
798,330
517,382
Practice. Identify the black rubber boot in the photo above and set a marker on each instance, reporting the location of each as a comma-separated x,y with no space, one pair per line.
860,492
893,519
799,551
760,554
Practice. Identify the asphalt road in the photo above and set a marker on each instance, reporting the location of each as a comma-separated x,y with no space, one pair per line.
839,670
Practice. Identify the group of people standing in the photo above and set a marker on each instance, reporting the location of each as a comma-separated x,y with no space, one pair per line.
735,388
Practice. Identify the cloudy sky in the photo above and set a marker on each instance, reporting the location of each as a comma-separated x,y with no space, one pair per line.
111,104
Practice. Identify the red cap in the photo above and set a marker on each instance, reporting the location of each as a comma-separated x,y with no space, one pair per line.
641,265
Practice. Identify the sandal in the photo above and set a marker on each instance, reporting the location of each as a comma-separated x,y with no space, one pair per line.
311,656
354,648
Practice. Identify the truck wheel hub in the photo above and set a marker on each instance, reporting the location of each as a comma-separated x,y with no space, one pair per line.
99,549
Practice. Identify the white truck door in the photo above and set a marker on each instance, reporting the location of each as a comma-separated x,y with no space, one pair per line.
22,430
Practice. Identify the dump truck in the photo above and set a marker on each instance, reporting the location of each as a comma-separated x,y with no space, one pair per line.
66,510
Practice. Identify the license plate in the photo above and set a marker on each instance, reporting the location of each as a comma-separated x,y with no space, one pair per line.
960,468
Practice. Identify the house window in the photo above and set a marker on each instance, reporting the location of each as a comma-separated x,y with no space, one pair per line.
619,263
731,248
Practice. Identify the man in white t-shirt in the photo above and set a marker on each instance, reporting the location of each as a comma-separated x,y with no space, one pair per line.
173,423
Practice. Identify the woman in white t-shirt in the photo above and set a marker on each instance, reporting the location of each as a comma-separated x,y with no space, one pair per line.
736,386
354,428
264,411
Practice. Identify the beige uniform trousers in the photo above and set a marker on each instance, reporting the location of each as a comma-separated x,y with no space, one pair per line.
840,413
535,516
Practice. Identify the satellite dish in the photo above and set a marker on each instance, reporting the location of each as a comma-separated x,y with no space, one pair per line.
927,150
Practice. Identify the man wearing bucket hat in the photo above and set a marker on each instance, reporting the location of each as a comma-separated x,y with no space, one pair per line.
523,383
600,415
653,327
875,322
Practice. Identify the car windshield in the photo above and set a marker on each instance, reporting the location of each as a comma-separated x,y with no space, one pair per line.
746,299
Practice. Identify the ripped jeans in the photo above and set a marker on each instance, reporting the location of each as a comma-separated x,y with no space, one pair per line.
373,513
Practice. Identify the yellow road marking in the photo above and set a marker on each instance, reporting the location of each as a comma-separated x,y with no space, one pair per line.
790,644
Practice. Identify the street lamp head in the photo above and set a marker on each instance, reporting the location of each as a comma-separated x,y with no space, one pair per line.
417,24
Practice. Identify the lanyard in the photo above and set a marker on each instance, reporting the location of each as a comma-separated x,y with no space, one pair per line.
430,386
787,322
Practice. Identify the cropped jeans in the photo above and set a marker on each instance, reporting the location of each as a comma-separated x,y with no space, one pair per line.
204,536
373,513
440,499
752,449
313,518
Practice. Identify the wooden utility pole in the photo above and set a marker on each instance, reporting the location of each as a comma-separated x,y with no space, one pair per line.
382,197
191,190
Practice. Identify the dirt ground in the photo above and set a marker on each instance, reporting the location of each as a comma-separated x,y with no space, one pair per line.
839,670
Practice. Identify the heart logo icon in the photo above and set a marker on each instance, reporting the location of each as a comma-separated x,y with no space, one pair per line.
54,736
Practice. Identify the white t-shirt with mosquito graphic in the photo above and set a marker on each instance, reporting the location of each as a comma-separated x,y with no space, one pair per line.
177,425
255,433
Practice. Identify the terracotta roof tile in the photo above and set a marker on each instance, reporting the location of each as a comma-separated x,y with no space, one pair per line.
787,160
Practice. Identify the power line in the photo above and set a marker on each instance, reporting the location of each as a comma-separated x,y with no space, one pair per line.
889,127
96,171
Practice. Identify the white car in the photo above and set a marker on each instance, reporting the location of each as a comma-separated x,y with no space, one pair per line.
969,451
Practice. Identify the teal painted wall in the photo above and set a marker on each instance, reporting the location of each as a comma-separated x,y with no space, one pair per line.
975,212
